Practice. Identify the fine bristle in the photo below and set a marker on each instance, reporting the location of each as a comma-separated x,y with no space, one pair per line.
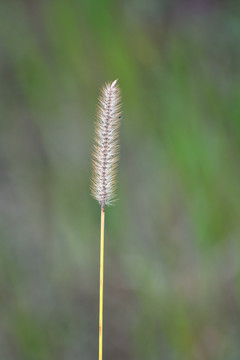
105,152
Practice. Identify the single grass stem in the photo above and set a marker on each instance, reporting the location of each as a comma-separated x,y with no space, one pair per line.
101,282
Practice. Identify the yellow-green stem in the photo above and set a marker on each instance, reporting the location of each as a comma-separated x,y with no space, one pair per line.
101,283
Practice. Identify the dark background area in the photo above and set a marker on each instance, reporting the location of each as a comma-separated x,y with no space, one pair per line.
172,238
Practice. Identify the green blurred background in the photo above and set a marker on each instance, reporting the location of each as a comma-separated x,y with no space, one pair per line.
172,239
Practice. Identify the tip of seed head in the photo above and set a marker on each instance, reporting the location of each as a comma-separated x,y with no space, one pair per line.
114,83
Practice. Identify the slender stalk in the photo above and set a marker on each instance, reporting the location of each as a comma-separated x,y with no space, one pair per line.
101,282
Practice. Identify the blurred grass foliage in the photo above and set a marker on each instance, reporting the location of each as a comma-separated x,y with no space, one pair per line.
172,240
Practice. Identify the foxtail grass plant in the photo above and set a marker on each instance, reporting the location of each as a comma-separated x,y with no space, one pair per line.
104,163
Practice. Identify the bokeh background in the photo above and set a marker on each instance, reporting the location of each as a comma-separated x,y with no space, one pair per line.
172,239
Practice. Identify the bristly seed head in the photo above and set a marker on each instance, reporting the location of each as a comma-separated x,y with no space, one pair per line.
106,148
